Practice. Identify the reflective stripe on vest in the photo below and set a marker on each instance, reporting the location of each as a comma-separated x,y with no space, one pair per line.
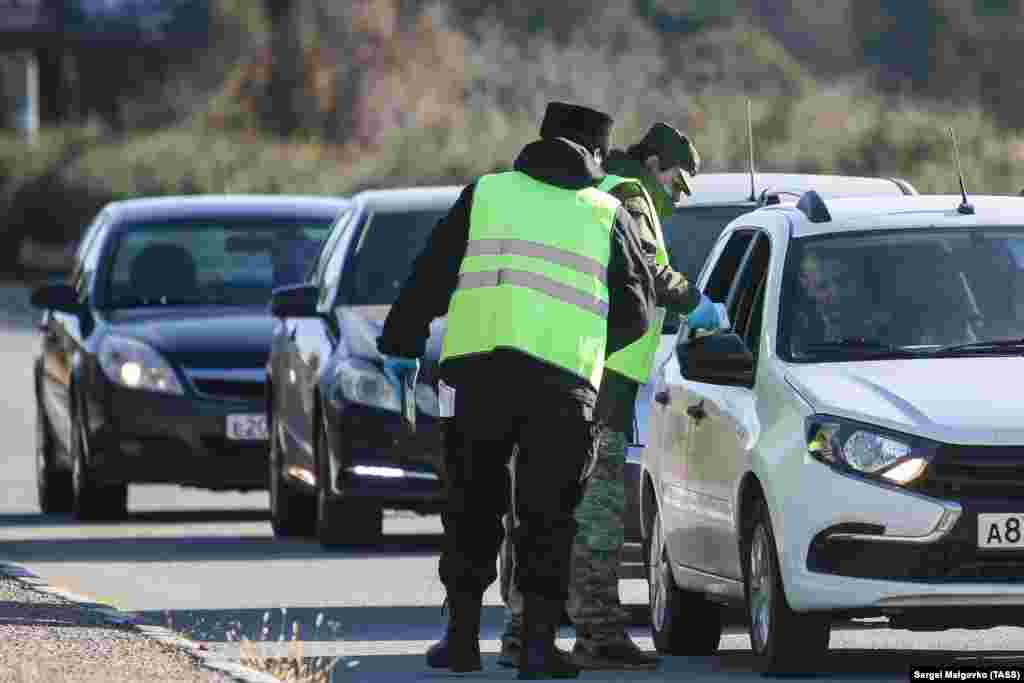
636,361
535,274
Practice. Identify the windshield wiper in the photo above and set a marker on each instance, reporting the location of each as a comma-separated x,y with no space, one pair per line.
987,345
859,345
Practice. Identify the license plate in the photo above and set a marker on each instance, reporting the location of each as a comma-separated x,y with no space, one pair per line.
247,427
1004,531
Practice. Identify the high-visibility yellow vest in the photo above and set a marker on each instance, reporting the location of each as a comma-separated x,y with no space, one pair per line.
535,274
637,360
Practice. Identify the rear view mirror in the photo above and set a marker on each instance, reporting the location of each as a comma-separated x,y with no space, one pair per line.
294,301
56,297
717,359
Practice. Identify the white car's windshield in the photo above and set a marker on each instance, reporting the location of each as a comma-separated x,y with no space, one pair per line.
907,292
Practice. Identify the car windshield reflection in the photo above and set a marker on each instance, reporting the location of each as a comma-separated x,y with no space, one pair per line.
912,292
210,262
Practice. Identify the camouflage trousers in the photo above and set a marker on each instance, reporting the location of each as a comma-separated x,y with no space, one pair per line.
594,605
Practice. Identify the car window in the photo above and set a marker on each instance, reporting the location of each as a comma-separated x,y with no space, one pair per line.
915,290
748,295
381,260
88,236
236,261
324,255
90,261
728,264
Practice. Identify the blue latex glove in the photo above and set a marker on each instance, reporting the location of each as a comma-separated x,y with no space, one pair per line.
706,316
396,366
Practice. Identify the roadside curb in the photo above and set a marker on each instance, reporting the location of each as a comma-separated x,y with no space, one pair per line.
164,636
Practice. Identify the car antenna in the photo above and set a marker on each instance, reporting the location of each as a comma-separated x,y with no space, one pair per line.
964,208
750,145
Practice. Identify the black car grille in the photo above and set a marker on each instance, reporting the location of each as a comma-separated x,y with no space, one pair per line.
953,559
230,389
974,472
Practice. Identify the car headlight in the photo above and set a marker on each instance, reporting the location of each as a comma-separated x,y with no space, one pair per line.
866,450
130,363
362,382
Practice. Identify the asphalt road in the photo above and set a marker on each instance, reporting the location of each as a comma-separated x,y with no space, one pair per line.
206,564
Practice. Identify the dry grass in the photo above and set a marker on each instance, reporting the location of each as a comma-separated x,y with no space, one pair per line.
294,666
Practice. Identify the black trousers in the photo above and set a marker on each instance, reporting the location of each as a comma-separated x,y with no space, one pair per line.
495,411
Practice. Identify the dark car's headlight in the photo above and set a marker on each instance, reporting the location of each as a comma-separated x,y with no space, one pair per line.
363,382
866,449
131,363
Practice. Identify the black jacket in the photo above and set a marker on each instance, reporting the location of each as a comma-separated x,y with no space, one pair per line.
435,273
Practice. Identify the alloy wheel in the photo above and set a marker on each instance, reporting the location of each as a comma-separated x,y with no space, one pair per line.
762,589
657,567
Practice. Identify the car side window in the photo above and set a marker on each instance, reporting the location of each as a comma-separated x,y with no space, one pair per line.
725,269
728,265
317,273
332,274
748,305
90,261
88,236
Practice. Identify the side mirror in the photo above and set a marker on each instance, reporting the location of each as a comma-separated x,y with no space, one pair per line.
294,301
717,359
56,297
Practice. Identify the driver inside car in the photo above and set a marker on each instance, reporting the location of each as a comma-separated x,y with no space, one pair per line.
834,304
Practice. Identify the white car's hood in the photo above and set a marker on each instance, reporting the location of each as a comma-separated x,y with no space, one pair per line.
970,401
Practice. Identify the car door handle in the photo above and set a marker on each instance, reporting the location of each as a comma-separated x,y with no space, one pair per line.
696,411
663,397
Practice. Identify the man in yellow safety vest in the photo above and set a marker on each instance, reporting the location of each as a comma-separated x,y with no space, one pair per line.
649,179
542,278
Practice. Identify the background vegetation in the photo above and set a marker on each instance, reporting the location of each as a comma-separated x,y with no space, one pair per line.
322,97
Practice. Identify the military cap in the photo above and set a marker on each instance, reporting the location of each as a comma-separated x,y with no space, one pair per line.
588,127
673,149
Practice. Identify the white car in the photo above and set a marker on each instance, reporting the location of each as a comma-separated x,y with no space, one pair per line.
853,446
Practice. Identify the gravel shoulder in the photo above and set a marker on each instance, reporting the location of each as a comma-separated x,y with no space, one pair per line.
44,638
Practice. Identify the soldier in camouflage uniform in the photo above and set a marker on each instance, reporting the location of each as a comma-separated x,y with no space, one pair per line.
664,161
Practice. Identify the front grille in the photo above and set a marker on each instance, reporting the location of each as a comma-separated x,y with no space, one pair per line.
954,559
974,472
230,389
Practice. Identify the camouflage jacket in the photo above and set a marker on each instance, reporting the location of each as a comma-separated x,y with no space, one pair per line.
617,395
672,289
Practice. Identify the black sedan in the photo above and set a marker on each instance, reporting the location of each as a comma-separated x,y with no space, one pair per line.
339,451
154,351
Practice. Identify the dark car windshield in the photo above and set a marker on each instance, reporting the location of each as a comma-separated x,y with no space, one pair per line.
235,262
691,232
382,258
898,293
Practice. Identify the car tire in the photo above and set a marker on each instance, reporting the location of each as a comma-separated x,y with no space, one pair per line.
92,501
783,641
682,622
292,513
53,486
341,522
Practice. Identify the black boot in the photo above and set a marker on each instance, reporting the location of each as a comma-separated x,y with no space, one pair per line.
459,650
511,643
540,659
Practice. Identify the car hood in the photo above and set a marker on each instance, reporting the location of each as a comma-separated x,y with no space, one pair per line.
361,325
215,337
969,401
